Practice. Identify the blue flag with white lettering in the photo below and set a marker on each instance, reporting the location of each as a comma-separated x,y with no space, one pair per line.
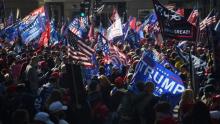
166,82
11,32
33,25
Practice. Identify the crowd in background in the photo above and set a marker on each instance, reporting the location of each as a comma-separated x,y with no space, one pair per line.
33,88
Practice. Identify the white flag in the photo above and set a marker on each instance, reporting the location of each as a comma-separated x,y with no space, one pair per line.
115,30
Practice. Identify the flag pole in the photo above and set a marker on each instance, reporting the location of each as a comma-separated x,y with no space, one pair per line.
194,85
191,82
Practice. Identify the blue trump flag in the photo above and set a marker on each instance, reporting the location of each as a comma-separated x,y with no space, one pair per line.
11,32
166,82
33,25
32,30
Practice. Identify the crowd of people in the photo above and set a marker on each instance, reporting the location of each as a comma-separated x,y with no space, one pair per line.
45,85
34,88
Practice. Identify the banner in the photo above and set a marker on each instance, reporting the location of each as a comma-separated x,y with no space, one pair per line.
11,32
115,30
166,82
173,25
79,26
33,25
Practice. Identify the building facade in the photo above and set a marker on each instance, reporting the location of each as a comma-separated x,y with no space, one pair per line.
136,8
132,6
22,7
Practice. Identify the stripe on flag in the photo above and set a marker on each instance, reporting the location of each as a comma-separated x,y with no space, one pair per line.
115,52
83,55
78,56
209,20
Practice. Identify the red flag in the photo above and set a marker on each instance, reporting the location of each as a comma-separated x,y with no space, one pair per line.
180,11
45,36
133,23
193,17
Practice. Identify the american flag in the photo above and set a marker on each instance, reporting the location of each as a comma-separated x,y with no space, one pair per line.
117,56
112,54
193,17
74,27
209,20
81,53
151,23
79,26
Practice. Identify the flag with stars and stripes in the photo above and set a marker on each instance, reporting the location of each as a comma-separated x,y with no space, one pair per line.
74,27
112,54
79,26
208,21
80,53
117,57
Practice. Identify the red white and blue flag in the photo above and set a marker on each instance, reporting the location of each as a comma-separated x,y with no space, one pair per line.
79,26
115,30
45,36
117,57
81,53
208,21
33,25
